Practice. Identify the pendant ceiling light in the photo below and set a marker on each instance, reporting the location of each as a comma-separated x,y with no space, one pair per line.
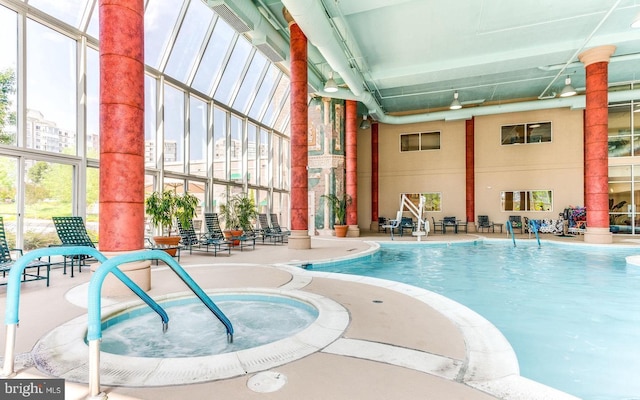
331,85
455,104
567,90
365,124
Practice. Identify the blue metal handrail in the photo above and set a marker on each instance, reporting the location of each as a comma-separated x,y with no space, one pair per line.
95,285
533,227
14,284
509,227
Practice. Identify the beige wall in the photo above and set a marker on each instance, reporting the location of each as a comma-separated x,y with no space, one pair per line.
555,166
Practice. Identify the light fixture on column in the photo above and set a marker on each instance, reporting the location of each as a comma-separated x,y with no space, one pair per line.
567,90
455,104
365,124
331,85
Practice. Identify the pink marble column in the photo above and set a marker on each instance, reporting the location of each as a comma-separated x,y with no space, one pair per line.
121,125
596,164
374,177
299,148
470,169
351,160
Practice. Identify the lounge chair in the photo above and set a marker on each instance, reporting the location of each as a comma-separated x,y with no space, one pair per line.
516,223
215,232
484,223
437,226
72,232
6,262
267,232
276,226
190,239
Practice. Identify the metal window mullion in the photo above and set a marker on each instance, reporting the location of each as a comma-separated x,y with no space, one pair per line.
270,97
160,130
85,20
224,64
186,135
209,194
21,82
203,47
256,88
227,147
242,76
245,154
80,189
174,34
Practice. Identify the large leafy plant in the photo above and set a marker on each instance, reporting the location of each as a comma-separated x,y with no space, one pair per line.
339,206
166,207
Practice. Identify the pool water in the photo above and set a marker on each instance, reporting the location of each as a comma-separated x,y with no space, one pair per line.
571,313
194,331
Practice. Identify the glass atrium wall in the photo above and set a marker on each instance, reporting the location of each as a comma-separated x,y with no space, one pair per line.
216,113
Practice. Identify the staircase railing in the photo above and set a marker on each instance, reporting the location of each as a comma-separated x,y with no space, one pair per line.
509,228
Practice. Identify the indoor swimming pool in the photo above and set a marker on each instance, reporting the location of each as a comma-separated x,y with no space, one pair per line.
571,312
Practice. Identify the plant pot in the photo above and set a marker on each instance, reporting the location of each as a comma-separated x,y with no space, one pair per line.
341,230
233,233
169,241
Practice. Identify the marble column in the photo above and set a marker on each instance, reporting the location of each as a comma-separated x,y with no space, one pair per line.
374,177
122,133
470,170
351,160
299,238
596,163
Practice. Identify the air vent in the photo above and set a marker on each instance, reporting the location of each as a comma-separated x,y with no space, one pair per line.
227,14
268,49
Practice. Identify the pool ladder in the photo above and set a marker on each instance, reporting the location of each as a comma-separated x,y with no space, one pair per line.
533,227
95,287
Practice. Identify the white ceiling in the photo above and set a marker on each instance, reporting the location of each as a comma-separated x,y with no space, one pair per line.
411,55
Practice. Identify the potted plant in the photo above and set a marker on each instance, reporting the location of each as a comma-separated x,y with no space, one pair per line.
238,212
339,206
165,208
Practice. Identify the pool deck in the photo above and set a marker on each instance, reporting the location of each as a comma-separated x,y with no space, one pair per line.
401,342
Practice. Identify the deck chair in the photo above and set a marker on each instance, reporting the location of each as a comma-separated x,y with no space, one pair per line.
267,232
406,223
32,272
215,232
437,226
393,224
277,228
484,223
72,232
516,223
190,239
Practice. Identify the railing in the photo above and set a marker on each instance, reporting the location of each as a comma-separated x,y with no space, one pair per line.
533,227
94,332
13,293
509,228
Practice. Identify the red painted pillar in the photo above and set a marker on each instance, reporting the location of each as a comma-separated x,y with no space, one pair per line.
374,175
299,148
351,160
121,125
596,165
470,170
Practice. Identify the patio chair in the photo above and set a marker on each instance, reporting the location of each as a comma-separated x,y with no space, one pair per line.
392,224
190,239
6,262
276,226
516,223
461,225
437,226
449,222
406,223
484,223
72,232
214,231
267,232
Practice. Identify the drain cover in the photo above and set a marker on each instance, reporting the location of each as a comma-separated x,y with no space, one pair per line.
267,382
